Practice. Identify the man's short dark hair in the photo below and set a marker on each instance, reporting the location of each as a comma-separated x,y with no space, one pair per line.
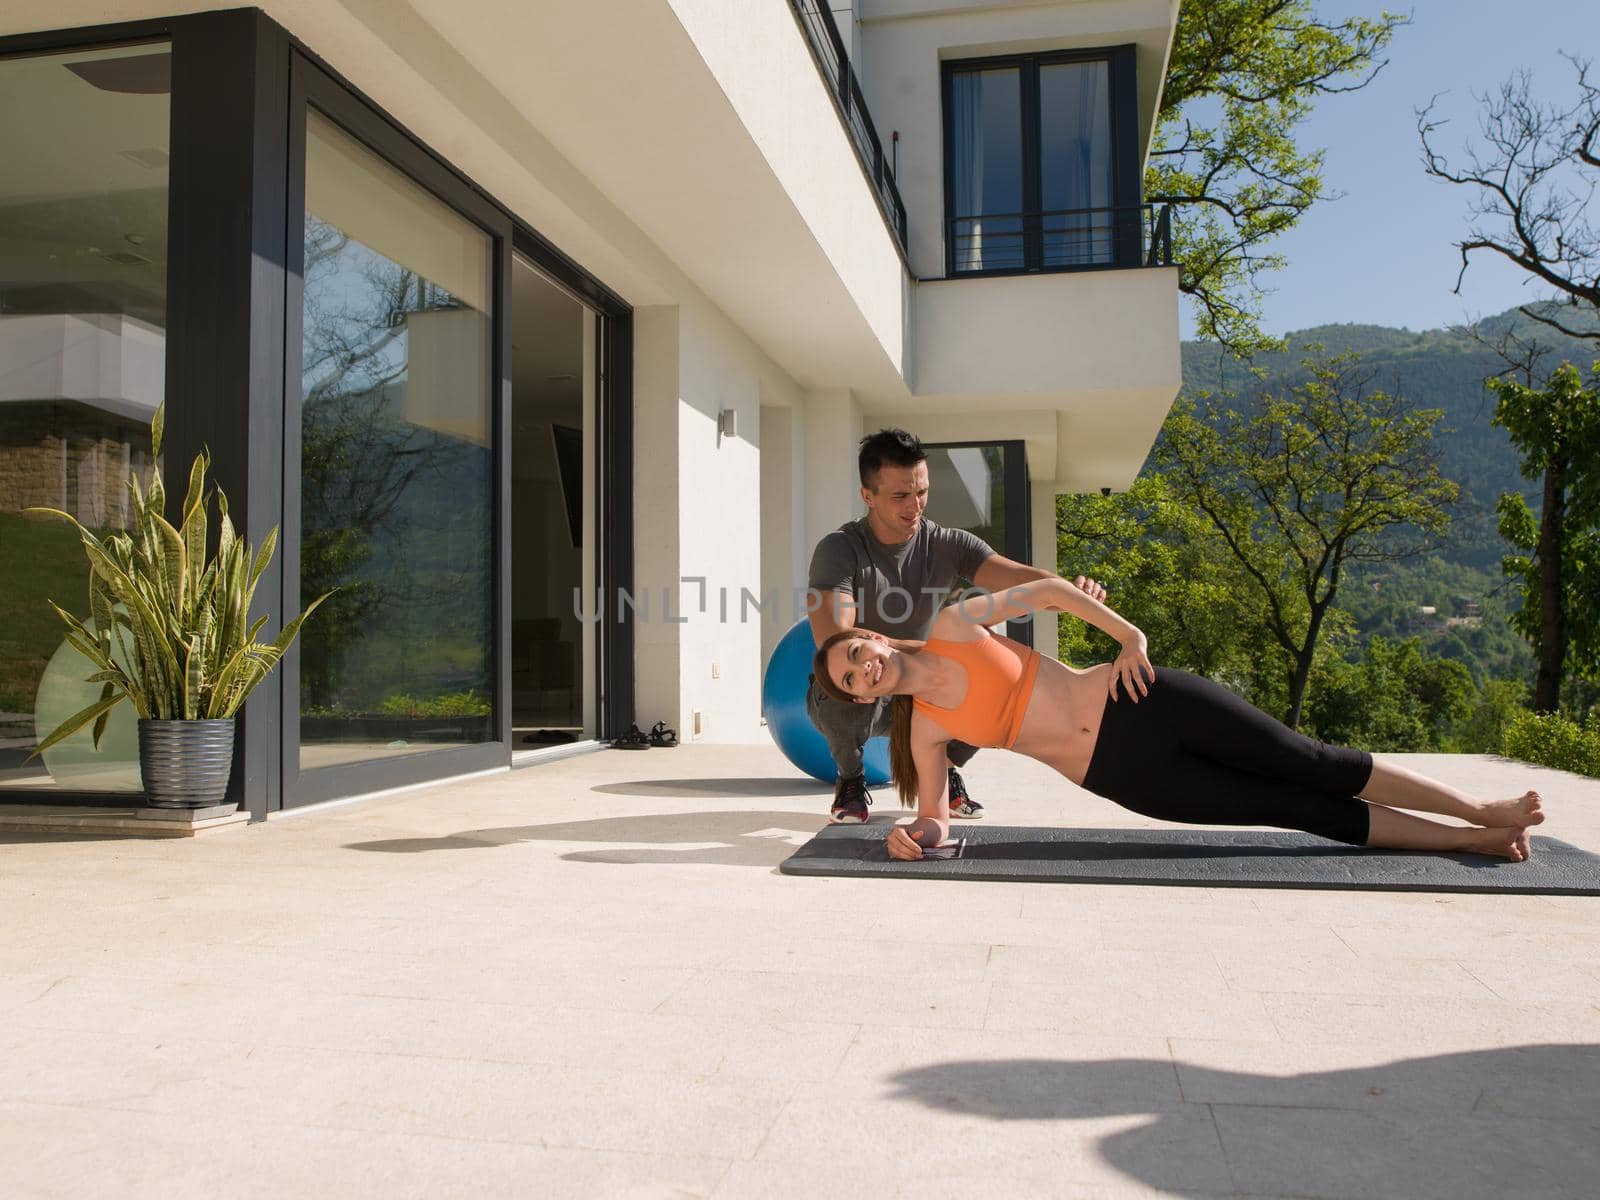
888,448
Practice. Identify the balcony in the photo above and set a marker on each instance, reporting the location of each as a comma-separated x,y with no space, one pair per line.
827,47
1067,239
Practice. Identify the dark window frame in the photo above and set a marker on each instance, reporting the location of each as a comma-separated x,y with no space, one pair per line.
229,243
1127,183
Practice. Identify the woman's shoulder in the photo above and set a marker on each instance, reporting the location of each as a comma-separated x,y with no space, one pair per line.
953,625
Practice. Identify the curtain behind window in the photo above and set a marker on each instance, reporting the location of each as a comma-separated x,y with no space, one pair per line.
1075,163
987,169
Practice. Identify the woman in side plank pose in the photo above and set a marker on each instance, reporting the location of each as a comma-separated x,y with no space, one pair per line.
1171,745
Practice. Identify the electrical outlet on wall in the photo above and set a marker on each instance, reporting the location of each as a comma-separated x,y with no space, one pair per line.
716,670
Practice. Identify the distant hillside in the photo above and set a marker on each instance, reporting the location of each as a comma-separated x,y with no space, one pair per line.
1437,368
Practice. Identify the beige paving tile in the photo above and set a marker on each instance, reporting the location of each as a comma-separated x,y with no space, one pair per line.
1154,1006
1470,942
928,1002
843,955
1245,935
1349,975
1526,979
1403,1023
61,1152
1176,906
1107,967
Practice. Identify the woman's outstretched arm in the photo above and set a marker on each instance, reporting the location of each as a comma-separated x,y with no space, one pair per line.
929,744
1132,667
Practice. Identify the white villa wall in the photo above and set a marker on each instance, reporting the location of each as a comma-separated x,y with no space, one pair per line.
699,515
784,552
771,79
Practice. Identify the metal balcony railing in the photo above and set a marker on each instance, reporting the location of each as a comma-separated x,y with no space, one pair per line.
827,47
1063,239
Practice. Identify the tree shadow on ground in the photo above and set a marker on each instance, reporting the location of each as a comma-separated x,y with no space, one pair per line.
741,839
1516,1121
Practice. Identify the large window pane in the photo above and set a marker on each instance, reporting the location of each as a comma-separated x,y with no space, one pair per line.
396,466
83,309
1075,163
986,127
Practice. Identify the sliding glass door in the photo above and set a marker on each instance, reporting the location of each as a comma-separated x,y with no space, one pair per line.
394,440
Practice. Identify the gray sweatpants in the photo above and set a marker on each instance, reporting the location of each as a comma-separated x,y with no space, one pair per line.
848,726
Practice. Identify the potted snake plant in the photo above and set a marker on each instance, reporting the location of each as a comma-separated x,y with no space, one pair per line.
169,632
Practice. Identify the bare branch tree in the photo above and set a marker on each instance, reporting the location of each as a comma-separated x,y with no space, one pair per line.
1535,176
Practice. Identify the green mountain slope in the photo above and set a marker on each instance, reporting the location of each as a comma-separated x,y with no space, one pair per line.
1437,368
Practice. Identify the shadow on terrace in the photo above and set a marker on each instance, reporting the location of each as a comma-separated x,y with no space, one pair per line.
1518,1121
738,839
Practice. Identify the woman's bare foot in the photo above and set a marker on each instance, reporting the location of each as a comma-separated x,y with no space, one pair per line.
1509,843
1522,811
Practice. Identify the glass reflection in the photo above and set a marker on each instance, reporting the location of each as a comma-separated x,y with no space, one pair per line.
83,311
396,468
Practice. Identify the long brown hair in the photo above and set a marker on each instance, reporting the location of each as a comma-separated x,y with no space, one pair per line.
901,764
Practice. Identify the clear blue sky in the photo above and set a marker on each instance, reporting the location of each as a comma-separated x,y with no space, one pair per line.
1383,254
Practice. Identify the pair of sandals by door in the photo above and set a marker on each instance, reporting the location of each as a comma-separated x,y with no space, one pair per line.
634,739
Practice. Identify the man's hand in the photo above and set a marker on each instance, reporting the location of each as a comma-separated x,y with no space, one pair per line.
1090,588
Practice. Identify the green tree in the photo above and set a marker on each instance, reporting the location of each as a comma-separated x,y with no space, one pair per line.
1556,429
1304,486
1169,574
1392,698
1242,76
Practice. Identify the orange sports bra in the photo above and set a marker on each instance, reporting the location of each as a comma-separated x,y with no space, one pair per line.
1000,675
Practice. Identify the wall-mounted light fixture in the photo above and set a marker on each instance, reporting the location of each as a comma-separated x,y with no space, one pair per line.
727,424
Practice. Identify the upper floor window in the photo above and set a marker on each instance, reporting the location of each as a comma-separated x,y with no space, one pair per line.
1041,162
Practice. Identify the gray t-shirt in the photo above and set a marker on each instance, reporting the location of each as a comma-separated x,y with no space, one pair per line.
897,589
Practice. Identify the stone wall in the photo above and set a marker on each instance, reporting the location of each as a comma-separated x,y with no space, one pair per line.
71,457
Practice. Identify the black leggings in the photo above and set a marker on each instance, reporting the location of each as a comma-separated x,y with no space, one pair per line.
1192,751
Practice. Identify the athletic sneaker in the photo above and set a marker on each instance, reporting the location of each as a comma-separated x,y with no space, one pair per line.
850,800
961,804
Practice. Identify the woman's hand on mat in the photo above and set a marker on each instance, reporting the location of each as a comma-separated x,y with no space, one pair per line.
1132,667
906,841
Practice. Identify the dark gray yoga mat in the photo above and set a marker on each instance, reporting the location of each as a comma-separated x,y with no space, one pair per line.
1197,858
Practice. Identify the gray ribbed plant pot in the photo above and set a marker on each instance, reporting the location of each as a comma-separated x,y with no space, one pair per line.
185,764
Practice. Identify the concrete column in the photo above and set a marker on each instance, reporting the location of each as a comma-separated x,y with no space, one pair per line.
784,553
656,532
833,427
1045,629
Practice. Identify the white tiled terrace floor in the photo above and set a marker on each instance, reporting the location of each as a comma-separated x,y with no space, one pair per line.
588,979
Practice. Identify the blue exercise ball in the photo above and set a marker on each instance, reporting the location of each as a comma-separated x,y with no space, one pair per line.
783,703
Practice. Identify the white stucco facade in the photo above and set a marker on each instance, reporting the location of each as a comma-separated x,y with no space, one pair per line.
689,155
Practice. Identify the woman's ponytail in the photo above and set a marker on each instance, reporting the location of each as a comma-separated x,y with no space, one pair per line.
901,764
